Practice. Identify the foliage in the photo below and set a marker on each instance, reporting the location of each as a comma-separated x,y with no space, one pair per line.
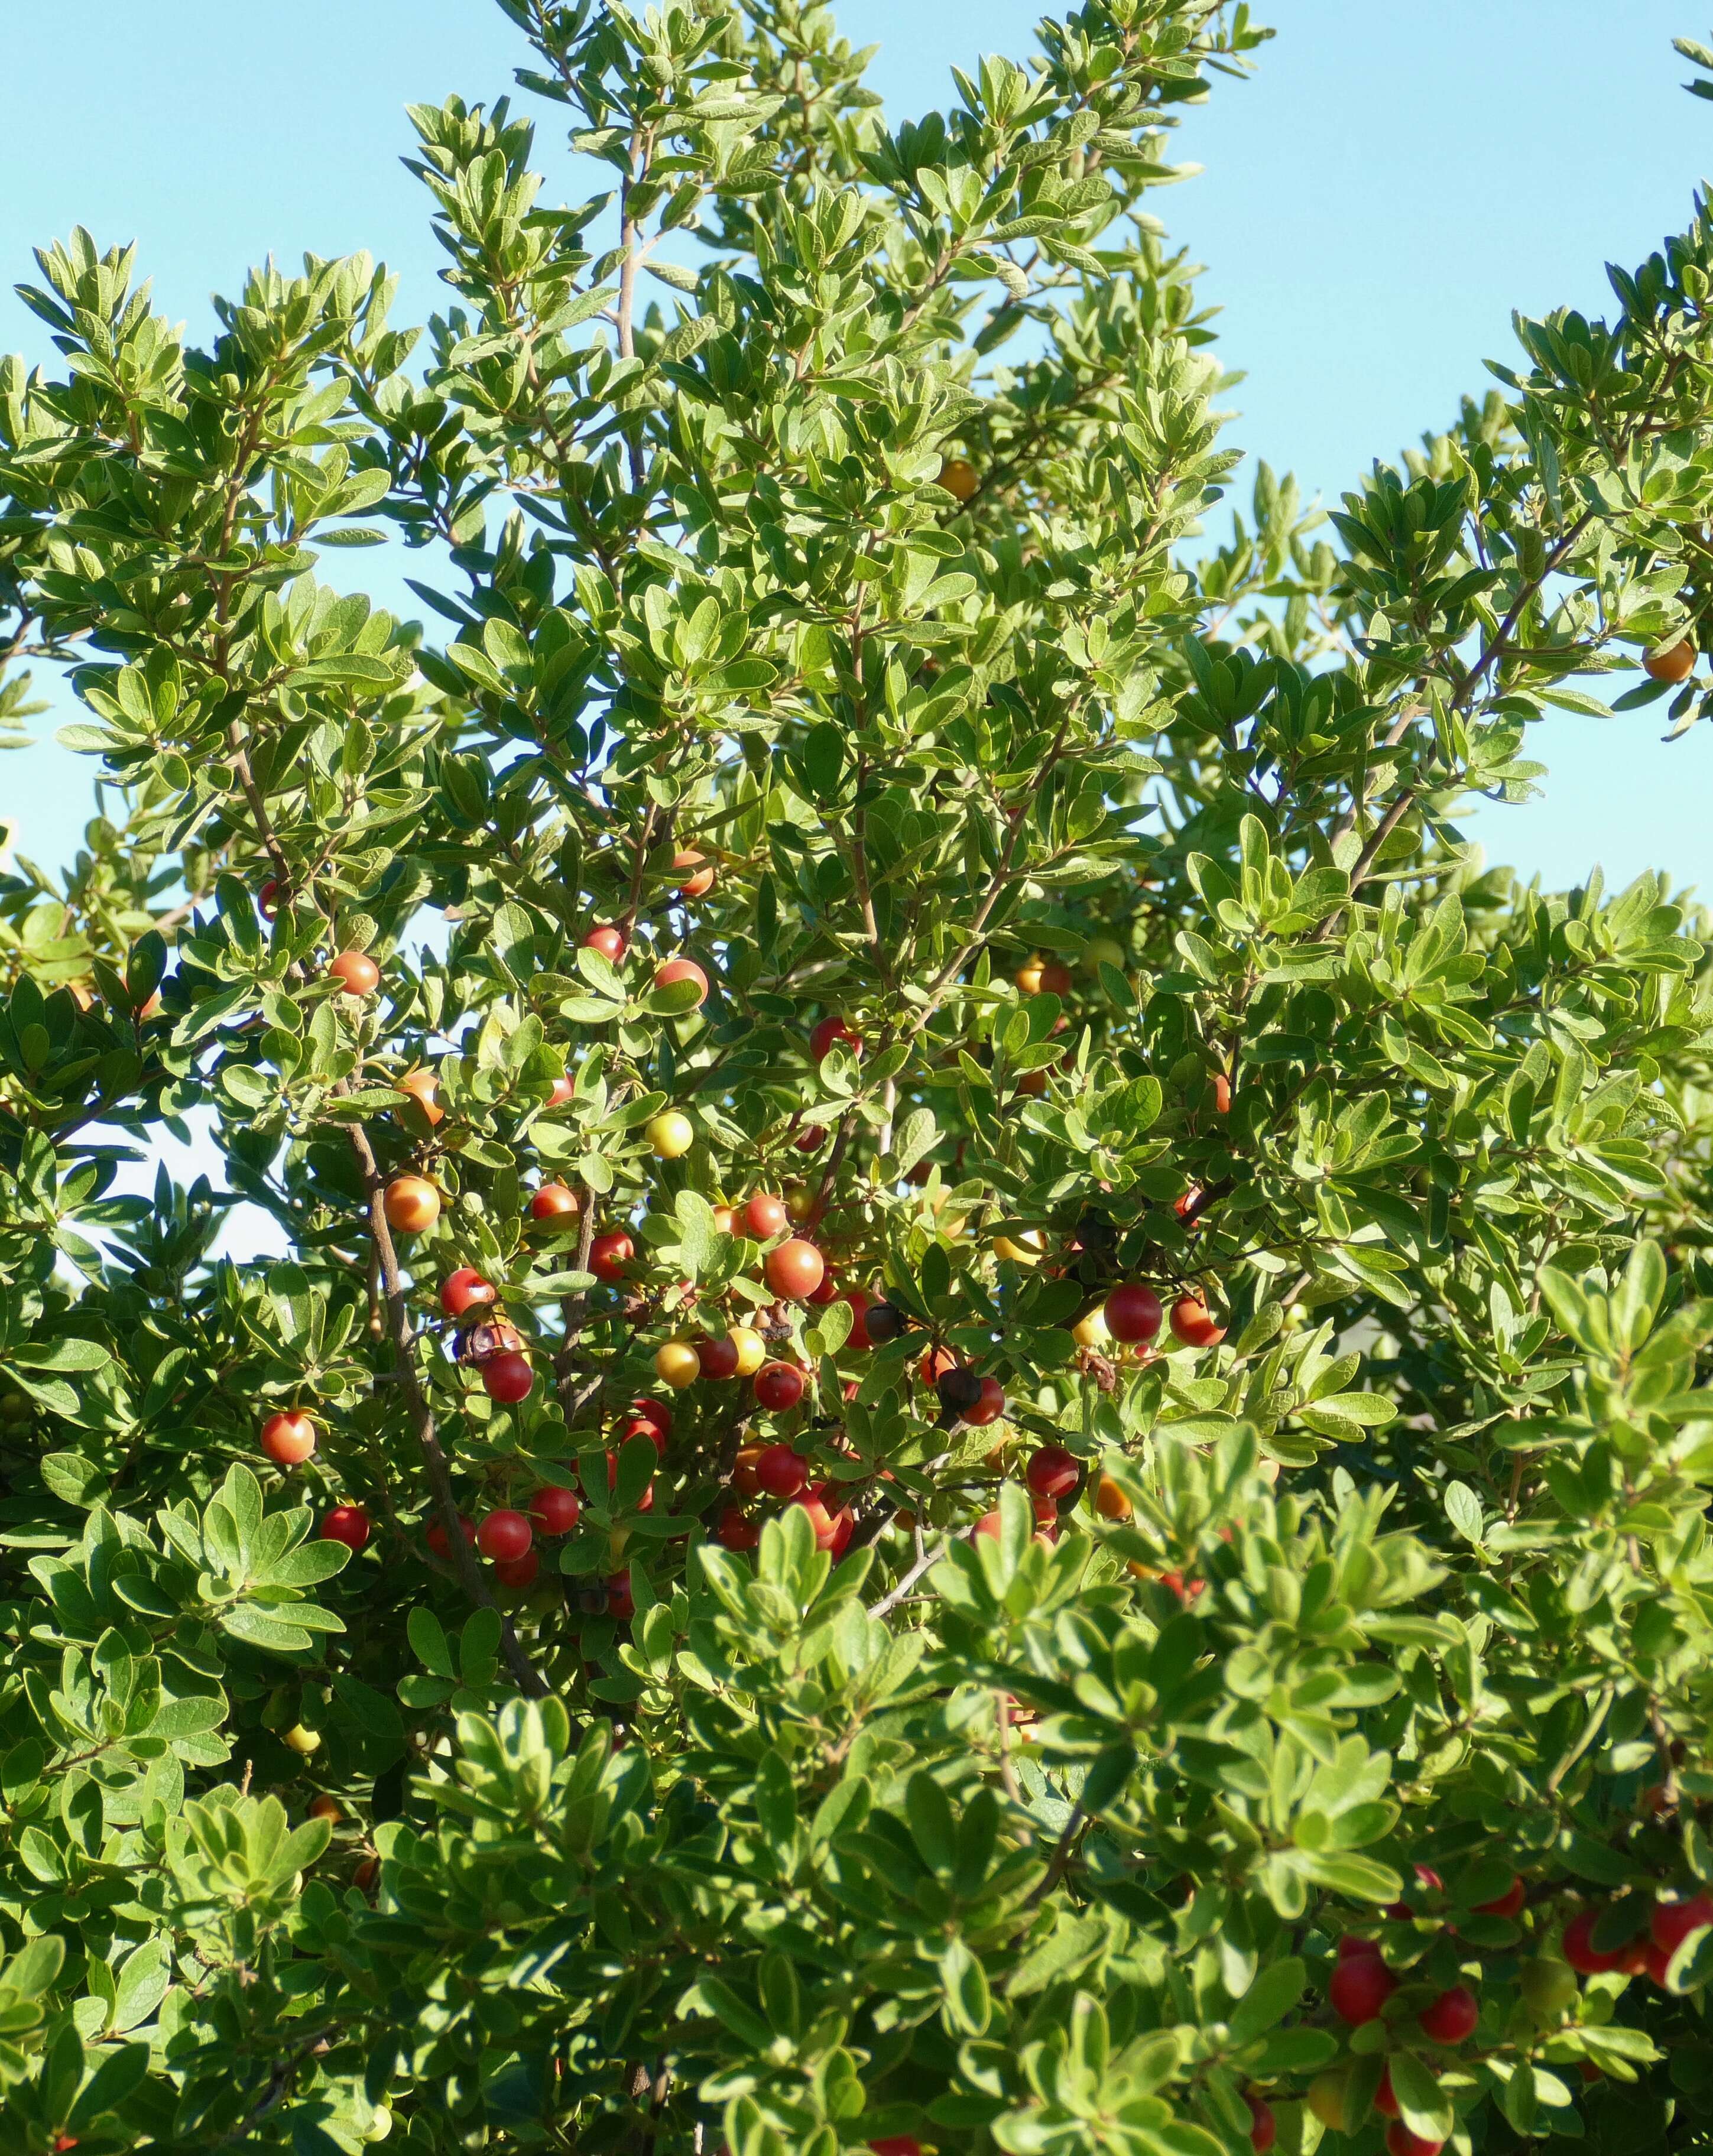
863,561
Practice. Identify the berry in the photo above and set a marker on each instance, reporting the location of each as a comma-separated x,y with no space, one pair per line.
1193,1324
1401,2140
1043,976
1132,1314
611,942
961,479
1263,2126
682,969
831,1030
698,874
554,1511
1509,1903
1386,2101
554,1201
1452,2016
778,1386
505,1535
752,1350
518,1571
348,1524
735,1530
423,1086
356,973
464,1290
671,1135
884,1322
858,1336
289,1438
1052,1472
656,1413
1221,1094
1673,662
832,1530
1350,1945
677,1364
621,1603
564,1094
1582,1954
508,1378
303,1742
718,1358
1327,2097
1360,1988
794,1269
990,1407
610,1253
781,1472
412,1204
1672,1921
325,1807
765,1217
269,897
440,1542
959,1389
1110,1500
1090,1330
488,1337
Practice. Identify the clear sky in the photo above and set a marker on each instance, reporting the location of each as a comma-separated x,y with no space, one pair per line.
1393,180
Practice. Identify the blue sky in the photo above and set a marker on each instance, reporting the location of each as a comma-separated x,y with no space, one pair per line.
1393,180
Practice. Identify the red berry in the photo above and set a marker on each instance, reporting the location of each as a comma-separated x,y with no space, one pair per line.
269,896
717,1356
609,1255
1193,1323
860,1306
1134,1314
436,1537
554,1511
1350,1945
1263,2126
656,1415
988,1528
832,1530
765,1217
682,969
990,1407
564,1094
518,1571
1672,1921
778,1386
735,1530
644,1503
348,1524
1360,1987
621,1603
781,1471
507,1378
827,1032
553,1201
794,1270
1400,2141
356,973
1221,1094
698,875
611,942
464,1290
1582,1954
289,1438
1451,2017
1386,2096
1508,1904
935,1362
504,1536
897,2144
1052,1472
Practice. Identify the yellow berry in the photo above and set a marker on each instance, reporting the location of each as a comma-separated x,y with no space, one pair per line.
677,1364
1027,1249
671,1134
752,1350
1090,1331
303,1741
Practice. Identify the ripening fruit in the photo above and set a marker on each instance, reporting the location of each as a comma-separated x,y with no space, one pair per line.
303,1742
554,1201
1194,1324
1328,2096
504,1535
348,1524
1451,2017
801,1202
1026,1248
682,969
717,1357
1263,2126
1401,2140
564,1094
990,1407
412,1204
831,1030
670,1135
763,1217
356,973
735,1530
434,1535
508,1378
884,1322
1052,1472
611,942
422,1087
1360,1988
268,898
1132,1314
554,1511
1508,1904
610,1253
621,1601
1582,1954
1672,1921
518,1571
778,1387
960,479
464,1290
1221,1094
289,1438
325,1807
656,1415
698,871
1090,1331
779,1470
1672,662
677,1364
751,1350
1110,1500
1040,976
794,1270
832,1530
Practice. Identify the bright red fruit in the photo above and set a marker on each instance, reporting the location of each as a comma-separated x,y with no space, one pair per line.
269,896
1400,2141
504,1536
860,1307
507,1378
794,1270
1672,1921
463,1291
518,1571
553,1201
656,1413
1350,1945
611,942
348,1524
990,1407
778,1386
765,1217
1386,2096
1508,1904
1451,2017
935,1362
621,1603
735,1530
356,973
781,1472
717,1356
697,872
897,2144
1052,1472
1134,1314
827,1032
682,969
288,1438
554,1511
609,1255
436,1537
1582,1954
832,1530
1263,2126
1360,1987
563,1093
1193,1323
